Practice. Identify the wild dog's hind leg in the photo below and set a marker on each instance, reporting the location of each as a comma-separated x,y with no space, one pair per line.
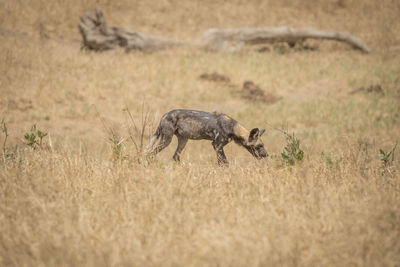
164,142
167,132
219,148
181,145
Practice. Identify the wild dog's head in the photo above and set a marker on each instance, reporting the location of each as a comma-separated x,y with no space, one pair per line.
255,145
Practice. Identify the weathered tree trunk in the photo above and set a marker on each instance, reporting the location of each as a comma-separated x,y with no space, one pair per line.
218,40
97,35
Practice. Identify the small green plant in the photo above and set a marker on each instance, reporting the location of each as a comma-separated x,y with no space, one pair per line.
387,160
117,144
292,151
34,138
137,132
5,131
8,152
330,162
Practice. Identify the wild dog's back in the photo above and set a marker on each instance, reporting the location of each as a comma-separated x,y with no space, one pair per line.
194,124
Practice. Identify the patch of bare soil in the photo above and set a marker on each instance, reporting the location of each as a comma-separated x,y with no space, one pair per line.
370,89
13,34
249,90
214,77
253,92
322,89
21,104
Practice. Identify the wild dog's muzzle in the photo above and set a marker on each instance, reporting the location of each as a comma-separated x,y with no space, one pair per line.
262,154
259,152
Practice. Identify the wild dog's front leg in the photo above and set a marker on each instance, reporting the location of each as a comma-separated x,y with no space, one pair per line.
219,148
181,145
222,161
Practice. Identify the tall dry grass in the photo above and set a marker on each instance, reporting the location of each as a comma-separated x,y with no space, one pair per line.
74,203
69,209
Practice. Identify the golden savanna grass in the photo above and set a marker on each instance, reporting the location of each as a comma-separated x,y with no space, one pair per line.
74,203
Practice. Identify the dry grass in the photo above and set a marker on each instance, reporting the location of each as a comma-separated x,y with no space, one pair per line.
75,204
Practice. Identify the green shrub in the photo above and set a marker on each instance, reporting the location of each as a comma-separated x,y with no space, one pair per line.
34,138
292,151
387,160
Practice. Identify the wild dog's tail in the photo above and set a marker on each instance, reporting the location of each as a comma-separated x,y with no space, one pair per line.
153,139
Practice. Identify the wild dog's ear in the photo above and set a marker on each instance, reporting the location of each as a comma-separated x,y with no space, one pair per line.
261,132
254,135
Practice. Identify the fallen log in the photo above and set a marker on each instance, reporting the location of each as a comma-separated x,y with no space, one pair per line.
97,35
216,40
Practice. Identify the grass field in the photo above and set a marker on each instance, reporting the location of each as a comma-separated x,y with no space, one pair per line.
74,201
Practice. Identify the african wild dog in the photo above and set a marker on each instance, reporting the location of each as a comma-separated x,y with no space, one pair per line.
196,125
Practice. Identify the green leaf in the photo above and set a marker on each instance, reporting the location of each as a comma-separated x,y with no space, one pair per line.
382,154
3,127
30,138
41,134
285,155
300,155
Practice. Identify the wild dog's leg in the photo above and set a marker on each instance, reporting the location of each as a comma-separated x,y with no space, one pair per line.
153,140
219,148
181,145
166,131
164,142
221,157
